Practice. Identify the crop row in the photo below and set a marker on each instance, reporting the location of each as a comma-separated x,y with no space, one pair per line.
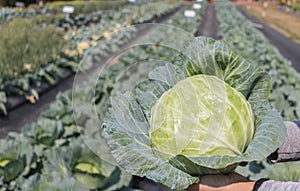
24,74
80,7
240,35
54,152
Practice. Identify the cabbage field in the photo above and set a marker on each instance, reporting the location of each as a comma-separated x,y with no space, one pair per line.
140,74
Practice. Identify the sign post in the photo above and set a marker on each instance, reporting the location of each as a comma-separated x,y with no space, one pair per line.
68,10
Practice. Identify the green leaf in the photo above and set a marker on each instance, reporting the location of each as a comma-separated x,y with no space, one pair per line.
168,74
78,161
44,131
39,182
2,97
148,92
35,94
2,101
287,171
3,108
16,158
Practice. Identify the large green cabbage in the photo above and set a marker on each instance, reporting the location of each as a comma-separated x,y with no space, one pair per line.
218,118
203,114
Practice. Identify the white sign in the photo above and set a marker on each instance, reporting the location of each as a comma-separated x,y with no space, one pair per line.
68,9
131,1
20,4
197,6
199,0
189,13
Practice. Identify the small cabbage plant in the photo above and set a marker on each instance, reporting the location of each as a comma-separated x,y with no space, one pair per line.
205,113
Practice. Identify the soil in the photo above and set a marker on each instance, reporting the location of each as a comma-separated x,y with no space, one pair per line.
286,46
209,25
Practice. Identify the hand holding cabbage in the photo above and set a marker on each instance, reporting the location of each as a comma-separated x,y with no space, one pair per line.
203,114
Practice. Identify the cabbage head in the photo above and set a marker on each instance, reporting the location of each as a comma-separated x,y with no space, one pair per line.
204,113
218,118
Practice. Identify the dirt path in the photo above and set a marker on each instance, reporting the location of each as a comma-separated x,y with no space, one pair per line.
209,25
283,22
28,113
287,47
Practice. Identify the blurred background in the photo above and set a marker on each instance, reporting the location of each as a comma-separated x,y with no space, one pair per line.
56,54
